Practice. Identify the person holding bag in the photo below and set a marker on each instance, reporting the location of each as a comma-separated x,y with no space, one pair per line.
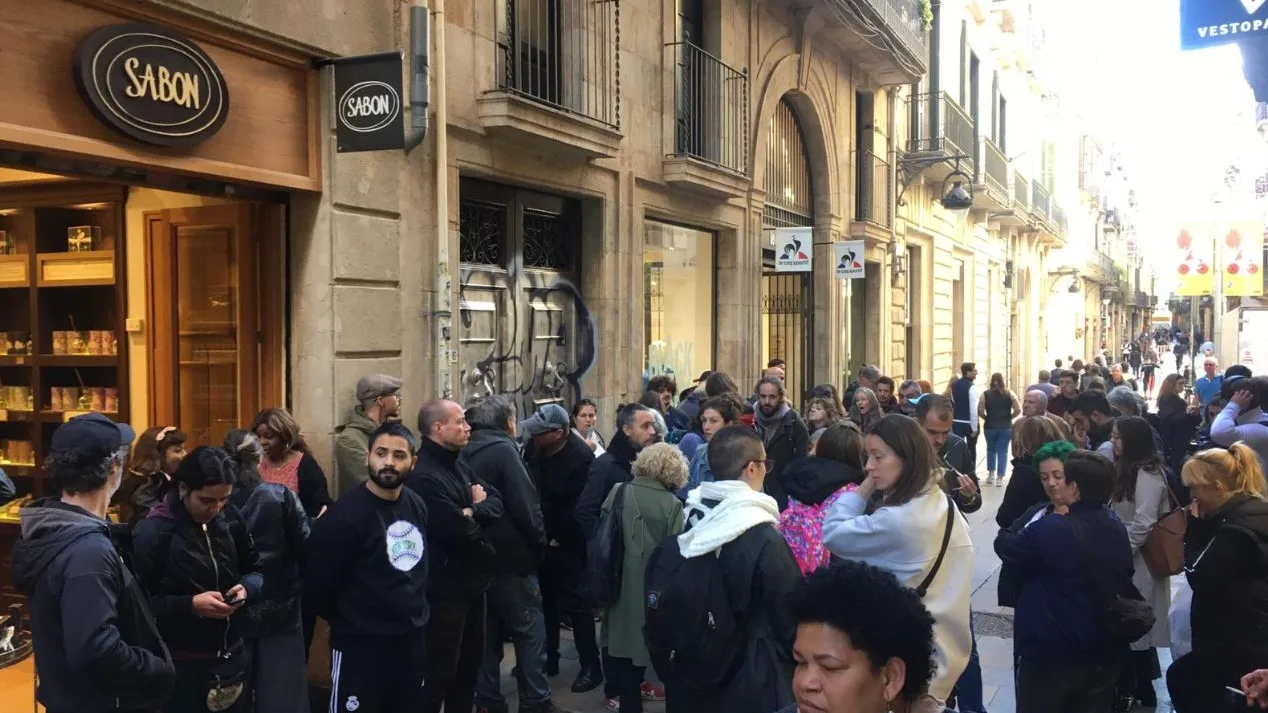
199,565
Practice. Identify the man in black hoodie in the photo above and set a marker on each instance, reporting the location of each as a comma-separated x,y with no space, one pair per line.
519,540
460,507
559,461
97,648
367,577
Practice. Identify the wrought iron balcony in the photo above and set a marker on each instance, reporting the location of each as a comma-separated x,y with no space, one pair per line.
886,38
940,126
1040,201
564,54
1058,219
711,109
1021,190
902,18
994,169
872,192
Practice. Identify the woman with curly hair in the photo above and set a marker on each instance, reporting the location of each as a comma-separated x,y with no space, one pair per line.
821,412
865,408
650,514
864,642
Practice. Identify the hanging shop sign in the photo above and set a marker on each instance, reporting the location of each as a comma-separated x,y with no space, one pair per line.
1241,259
1204,23
848,257
1193,258
794,248
368,103
151,84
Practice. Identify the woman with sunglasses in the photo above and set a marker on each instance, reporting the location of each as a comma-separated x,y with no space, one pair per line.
916,533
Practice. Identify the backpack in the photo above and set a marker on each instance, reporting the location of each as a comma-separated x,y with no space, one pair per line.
694,637
606,554
802,528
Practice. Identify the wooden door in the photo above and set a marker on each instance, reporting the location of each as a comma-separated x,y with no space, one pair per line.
203,319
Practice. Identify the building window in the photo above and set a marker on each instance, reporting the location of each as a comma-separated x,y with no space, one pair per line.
546,241
678,300
481,229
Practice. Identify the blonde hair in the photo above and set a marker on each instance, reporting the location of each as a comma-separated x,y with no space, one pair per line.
663,463
1031,432
1235,471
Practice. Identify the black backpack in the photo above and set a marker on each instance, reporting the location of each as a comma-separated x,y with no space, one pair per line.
693,634
605,554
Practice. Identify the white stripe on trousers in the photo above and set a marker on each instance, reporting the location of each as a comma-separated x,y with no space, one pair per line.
336,662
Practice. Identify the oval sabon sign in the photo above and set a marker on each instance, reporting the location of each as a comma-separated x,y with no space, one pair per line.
151,84
368,103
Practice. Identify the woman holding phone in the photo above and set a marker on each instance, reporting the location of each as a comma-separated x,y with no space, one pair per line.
199,566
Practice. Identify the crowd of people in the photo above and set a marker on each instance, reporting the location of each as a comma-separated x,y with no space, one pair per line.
743,553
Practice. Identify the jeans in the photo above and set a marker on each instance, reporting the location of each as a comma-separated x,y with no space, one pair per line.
968,690
997,449
515,608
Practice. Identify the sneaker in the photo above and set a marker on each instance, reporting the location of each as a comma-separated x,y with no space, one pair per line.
589,678
612,704
999,481
651,692
547,707
990,480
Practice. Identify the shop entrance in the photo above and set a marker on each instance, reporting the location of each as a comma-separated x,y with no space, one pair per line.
204,270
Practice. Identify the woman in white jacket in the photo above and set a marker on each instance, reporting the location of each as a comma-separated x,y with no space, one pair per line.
904,535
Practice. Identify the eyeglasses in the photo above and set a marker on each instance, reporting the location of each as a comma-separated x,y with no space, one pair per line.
769,465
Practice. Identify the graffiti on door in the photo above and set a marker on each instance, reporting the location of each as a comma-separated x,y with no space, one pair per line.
535,345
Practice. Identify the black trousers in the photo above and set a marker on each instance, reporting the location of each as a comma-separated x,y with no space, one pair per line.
378,674
1194,688
455,648
562,600
628,679
1047,687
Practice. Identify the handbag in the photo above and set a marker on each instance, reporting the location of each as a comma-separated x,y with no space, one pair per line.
225,677
1163,550
1127,619
606,554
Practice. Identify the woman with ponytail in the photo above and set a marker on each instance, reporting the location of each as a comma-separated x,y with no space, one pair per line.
276,520
1226,563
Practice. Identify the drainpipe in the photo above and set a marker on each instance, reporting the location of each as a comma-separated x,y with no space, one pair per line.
419,91
443,313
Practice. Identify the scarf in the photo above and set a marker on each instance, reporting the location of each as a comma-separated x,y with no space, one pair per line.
721,511
768,426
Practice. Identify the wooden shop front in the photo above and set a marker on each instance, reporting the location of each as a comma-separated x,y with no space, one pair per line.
146,161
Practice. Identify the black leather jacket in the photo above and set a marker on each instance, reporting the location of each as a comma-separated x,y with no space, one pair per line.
279,526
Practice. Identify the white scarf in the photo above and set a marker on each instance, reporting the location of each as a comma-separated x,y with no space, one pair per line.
739,509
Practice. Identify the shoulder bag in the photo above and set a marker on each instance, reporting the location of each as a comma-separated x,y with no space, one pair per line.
923,589
1163,550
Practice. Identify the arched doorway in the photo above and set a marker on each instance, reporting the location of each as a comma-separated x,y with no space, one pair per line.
787,297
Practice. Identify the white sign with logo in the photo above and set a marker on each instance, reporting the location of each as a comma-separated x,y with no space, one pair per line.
794,249
848,257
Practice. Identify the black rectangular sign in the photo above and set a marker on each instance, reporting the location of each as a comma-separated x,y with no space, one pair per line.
368,104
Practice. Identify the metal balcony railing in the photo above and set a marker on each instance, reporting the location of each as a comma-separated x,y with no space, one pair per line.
1040,201
902,17
994,167
1103,263
711,106
872,193
563,53
1021,190
939,125
1058,218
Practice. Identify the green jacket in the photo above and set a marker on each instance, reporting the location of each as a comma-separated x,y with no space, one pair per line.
651,514
352,443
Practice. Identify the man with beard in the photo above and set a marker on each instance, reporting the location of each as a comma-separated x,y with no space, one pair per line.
908,395
98,647
784,434
1091,418
460,508
559,461
378,401
885,394
367,577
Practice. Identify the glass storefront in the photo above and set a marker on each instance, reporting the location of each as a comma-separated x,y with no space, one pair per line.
678,307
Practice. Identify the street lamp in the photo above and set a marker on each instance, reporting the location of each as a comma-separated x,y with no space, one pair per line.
955,198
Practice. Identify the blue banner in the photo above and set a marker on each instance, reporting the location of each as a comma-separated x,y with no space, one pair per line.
1205,23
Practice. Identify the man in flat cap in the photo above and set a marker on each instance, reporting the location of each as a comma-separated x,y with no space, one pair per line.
378,400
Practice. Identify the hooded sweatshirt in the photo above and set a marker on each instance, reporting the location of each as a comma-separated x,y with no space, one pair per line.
519,536
97,645
813,485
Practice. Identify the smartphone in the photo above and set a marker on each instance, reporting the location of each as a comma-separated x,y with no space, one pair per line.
230,598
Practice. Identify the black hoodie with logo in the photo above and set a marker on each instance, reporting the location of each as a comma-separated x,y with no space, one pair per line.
98,648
